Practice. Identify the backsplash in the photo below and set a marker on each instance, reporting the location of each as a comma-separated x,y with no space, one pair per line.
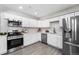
35,30
55,28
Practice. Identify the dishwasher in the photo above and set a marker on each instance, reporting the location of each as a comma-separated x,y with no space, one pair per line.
44,38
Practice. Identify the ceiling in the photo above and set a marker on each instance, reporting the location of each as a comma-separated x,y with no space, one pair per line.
38,10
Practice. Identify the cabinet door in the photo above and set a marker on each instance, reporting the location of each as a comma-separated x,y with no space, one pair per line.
3,44
77,13
52,40
30,38
33,23
60,42
4,25
43,23
25,23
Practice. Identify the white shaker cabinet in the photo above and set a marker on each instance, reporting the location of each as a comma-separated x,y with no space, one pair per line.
25,22
3,44
60,42
52,40
3,23
55,40
43,23
29,22
33,23
30,38
77,13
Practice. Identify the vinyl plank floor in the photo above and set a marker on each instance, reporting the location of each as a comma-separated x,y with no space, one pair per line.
37,49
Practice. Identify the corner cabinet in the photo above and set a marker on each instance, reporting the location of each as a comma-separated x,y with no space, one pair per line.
3,44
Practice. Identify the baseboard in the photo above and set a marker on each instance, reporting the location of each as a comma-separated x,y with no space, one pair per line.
31,44
56,47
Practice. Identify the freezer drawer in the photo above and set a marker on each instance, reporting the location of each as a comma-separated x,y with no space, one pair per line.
70,49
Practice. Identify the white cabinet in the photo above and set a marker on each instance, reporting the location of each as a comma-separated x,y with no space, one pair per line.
30,38
43,23
35,23
25,22
77,13
4,25
59,42
55,40
29,22
3,44
52,40
60,21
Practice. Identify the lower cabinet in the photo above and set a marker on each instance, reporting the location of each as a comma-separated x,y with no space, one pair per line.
30,38
3,44
55,41
60,42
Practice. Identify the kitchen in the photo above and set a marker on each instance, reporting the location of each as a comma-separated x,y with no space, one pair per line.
32,30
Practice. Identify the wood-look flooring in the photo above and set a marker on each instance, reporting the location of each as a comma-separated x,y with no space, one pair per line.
37,49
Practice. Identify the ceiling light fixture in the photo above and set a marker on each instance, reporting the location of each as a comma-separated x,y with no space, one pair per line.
20,7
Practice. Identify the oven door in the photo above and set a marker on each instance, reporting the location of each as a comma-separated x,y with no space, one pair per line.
14,43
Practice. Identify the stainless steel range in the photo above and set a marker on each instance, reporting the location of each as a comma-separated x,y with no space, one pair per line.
15,41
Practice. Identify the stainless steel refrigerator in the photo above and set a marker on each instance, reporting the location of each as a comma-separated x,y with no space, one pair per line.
71,36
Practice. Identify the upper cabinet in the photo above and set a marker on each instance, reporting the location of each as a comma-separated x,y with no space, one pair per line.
3,23
35,23
77,13
43,23
27,22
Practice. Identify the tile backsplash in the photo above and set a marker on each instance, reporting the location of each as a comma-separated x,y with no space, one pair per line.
55,28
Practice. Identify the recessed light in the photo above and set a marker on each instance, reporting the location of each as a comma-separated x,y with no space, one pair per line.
20,7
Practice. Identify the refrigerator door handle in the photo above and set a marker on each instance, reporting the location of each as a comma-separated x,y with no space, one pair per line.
72,44
75,29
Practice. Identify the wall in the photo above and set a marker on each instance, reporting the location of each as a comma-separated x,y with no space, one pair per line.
35,30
